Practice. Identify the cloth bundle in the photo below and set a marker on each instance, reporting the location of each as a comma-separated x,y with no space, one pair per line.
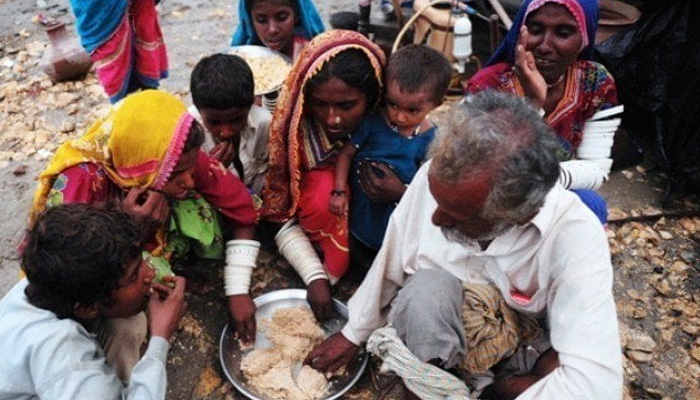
490,327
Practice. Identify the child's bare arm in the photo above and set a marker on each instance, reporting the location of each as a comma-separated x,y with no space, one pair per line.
342,166
339,195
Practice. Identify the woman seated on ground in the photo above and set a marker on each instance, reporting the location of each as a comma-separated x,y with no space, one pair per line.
333,85
282,25
545,57
145,155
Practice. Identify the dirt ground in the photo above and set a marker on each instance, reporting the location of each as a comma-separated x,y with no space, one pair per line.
655,250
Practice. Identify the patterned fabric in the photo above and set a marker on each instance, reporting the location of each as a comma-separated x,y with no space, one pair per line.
194,226
125,43
309,24
300,175
425,380
588,23
138,143
490,327
377,142
289,130
589,89
105,162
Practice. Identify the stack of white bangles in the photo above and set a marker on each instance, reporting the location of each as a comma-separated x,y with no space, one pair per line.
241,255
592,165
296,248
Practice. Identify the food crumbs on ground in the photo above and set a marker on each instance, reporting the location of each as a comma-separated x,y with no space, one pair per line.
293,332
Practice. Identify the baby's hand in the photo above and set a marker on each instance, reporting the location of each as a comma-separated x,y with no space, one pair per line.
339,205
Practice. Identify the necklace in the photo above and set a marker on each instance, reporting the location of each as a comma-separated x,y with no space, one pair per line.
551,85
395,129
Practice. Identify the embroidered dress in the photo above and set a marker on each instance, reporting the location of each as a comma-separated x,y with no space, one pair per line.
102,165
376,141
589,88
125,43
302,158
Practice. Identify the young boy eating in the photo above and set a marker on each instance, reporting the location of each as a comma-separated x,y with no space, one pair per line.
83,265
223,94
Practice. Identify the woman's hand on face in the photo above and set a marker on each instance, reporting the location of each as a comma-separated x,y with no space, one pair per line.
224,152
526,70
146,206
380,183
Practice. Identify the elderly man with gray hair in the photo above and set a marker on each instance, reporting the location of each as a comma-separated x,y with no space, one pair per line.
482,250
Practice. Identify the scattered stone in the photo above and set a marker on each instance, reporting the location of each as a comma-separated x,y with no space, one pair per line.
662,287
639,356
693,394
209,380
688,256
20,170
67,127
640,341
691,329
665,235
190,326
695,353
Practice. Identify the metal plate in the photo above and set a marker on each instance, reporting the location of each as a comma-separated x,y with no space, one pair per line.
249,52
230,353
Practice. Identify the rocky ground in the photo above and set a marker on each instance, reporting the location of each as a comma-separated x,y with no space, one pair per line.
655,250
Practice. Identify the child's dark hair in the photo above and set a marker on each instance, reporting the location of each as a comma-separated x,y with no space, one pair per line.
352,67
195,138
418,67
76,254
222,81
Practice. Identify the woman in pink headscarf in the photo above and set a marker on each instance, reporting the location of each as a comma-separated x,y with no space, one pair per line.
545,57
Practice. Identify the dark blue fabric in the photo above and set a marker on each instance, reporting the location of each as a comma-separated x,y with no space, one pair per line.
377,142
310,23
506,51
96,20
594,202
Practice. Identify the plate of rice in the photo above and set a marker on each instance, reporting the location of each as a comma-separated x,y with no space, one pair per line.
286,331
269,67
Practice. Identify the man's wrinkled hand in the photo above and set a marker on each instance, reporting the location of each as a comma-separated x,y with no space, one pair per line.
332,353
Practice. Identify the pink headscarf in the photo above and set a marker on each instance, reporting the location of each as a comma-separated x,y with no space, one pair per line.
574,8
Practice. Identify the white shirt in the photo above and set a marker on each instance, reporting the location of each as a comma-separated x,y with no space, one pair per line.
560,259
44,357
253,149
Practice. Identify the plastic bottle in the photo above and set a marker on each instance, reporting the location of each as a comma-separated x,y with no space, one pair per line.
462,45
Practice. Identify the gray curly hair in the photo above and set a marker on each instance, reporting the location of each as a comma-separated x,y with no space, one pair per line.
503,136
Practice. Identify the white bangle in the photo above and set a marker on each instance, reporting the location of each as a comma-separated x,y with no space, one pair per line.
241,255
296,248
